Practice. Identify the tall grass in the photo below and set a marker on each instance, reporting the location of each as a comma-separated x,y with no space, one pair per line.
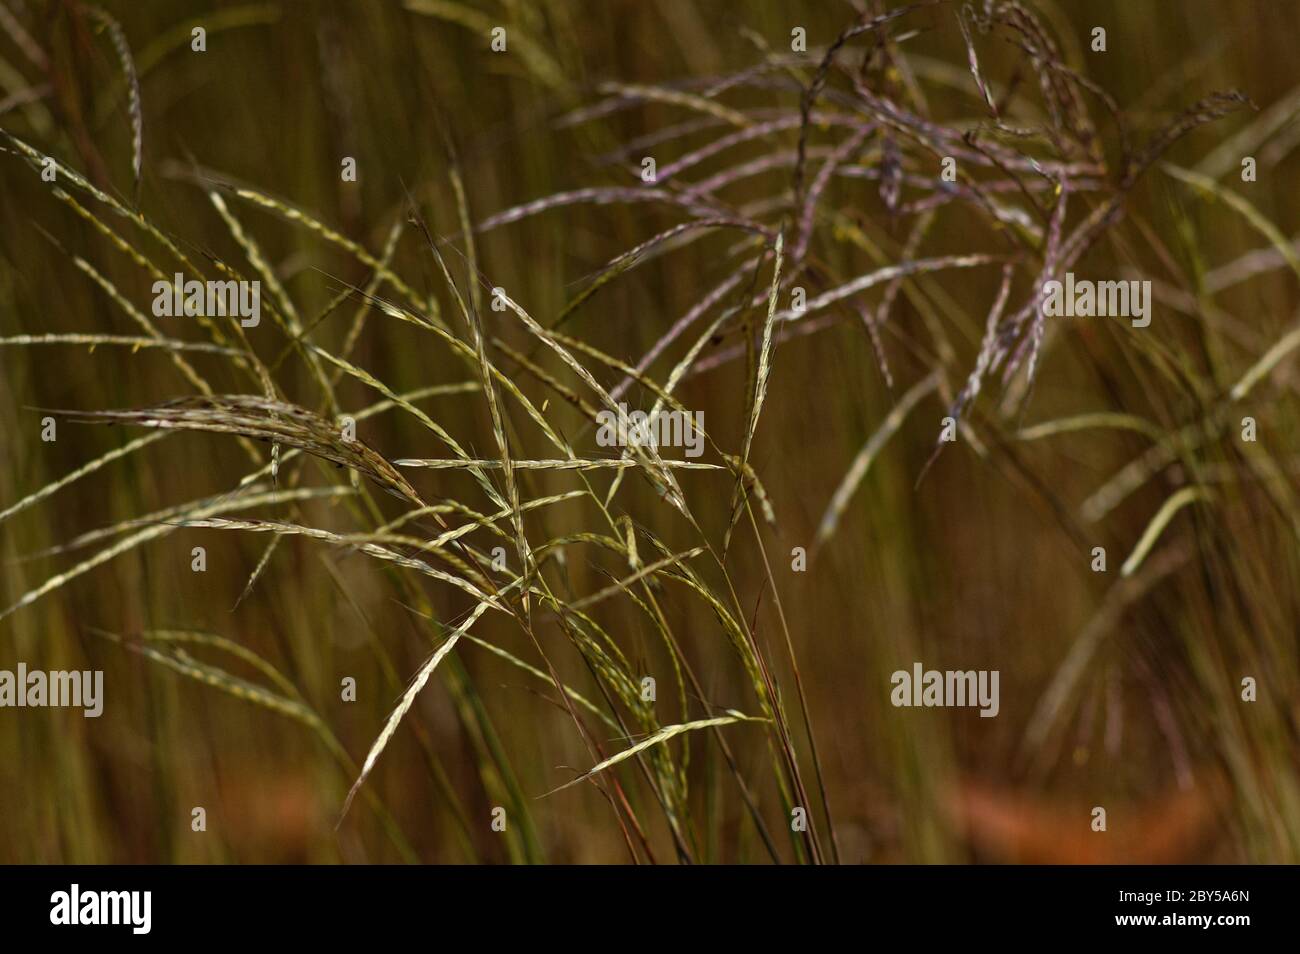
619,647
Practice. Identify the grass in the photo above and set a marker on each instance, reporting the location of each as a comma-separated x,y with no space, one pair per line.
620,647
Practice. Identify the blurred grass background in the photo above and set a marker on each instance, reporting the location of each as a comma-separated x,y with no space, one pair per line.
978,568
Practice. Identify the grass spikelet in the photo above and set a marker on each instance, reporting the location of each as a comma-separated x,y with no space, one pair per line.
764,372
408,698
625,583
228,502
538,62
658,472
862,463
1207,186
663,735
890,272
363,542
657,94
89,468
133,104
261,419
1151,534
